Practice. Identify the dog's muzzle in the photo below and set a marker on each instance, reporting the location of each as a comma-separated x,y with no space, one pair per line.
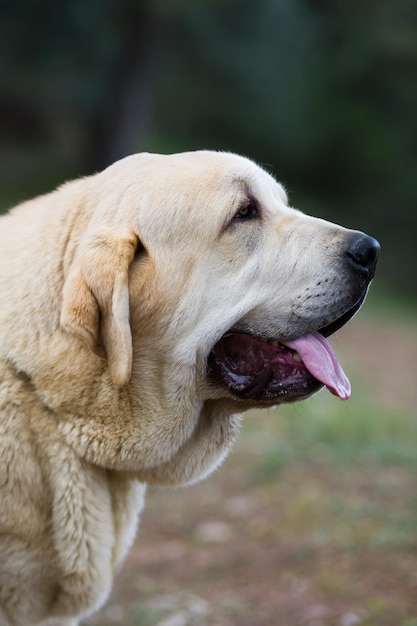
265,370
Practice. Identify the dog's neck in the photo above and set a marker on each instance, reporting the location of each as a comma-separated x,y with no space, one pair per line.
134,442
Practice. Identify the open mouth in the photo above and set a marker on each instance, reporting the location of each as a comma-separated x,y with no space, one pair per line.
265,370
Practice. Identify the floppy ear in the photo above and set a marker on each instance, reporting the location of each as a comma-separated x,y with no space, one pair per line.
96,300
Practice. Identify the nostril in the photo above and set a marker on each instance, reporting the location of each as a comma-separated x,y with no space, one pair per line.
363,252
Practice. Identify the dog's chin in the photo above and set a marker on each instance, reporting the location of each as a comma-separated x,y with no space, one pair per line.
261,371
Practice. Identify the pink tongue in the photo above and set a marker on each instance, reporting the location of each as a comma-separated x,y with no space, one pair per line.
320,360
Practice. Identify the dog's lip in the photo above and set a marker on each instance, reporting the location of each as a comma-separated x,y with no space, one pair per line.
296,381
326,331
338,323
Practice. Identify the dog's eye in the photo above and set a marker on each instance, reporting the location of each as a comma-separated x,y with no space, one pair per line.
248,211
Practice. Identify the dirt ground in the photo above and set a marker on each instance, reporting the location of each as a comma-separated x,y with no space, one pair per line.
307,544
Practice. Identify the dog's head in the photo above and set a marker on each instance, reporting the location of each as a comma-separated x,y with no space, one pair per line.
195,271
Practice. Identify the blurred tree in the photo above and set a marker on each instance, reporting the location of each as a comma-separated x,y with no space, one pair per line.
83,71
323,92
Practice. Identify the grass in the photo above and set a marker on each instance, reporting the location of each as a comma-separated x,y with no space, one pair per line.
324,430
342,442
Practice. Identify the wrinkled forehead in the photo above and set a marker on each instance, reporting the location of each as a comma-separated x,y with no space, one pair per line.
210,173
223,168
193,171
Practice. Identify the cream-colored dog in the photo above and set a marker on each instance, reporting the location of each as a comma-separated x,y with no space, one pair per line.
142,310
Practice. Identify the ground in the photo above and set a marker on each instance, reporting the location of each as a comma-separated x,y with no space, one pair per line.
312,521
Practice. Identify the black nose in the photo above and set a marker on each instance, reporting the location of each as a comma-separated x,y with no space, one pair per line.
363,253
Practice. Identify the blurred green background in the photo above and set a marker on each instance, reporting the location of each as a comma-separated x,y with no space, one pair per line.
321,92
312,521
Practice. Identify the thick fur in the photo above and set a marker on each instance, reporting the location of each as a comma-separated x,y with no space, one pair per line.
114,289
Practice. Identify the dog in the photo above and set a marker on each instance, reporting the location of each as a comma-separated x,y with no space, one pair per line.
143,310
